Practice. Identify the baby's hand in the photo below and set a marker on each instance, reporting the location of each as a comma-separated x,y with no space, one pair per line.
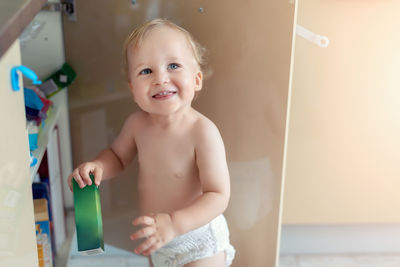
81,174
158,231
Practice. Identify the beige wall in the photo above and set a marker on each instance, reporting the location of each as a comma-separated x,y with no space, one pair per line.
249,47
343,144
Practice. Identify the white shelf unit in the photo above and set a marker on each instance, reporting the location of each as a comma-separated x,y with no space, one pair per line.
44,53
48,140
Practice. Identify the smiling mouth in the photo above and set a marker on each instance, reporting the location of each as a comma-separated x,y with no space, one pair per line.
164,94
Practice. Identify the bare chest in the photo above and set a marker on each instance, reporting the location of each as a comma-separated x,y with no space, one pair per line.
166,155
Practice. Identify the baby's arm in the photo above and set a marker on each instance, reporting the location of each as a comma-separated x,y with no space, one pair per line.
214,177
110,161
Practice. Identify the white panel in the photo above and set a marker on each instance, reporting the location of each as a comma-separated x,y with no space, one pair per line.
45,53
57,207
61,101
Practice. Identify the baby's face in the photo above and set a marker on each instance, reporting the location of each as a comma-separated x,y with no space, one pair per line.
163,73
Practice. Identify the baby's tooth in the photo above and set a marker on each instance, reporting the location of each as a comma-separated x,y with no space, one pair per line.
164,93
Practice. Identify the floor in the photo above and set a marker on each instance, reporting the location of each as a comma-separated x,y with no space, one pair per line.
62,257
340,260
69,257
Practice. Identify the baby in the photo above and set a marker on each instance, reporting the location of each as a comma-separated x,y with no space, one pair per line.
183,180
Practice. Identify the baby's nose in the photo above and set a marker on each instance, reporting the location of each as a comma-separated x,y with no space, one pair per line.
161,77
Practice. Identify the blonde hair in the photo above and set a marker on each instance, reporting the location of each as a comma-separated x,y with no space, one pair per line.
140,33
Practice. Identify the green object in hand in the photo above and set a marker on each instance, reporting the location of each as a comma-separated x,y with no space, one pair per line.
88,220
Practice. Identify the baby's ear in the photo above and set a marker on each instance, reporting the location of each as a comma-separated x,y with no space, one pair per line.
199,80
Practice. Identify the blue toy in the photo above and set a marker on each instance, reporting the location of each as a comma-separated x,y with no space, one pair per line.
27,72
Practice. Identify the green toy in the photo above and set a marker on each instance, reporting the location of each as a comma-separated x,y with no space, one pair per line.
58,80
88,220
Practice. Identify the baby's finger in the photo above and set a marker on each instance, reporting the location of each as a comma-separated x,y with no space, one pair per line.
98,175
78,179
70,183
84,173
144,220
145,245
144,232
152,249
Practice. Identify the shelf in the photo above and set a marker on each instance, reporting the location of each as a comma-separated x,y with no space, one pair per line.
43,140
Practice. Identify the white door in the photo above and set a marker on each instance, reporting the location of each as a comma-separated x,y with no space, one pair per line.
17,225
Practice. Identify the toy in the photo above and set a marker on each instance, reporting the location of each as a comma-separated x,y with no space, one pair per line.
88,219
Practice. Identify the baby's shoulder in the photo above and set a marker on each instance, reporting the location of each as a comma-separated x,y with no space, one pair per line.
206,135
136,117
204,127
134,120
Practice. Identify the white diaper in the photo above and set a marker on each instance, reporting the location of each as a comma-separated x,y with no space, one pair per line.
203,242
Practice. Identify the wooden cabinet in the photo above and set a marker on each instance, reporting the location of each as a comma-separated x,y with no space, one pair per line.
343,144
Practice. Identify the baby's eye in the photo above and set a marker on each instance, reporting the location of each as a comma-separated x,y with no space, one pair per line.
145,71
173,66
